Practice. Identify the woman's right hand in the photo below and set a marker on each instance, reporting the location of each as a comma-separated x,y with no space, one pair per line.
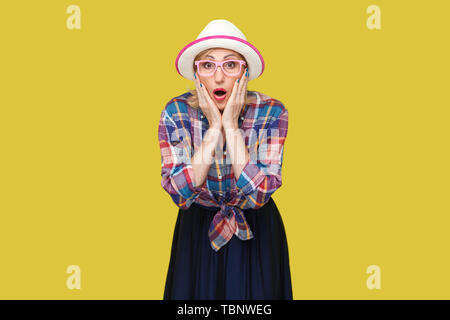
208,106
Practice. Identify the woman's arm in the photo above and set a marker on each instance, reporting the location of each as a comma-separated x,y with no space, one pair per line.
202,159
175,142
236,148
183,169
258,178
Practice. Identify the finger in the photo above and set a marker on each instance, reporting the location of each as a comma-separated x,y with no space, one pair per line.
243,78
204,96
245,86
201,89
209,100
240,91
230,107
241,86
196,82
246,77
234,90
200,94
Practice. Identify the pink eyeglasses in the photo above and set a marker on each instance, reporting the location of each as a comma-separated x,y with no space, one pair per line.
207,68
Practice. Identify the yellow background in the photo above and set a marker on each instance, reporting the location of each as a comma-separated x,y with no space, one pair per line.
366,163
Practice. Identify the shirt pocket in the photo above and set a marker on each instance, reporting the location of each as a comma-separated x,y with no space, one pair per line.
263,122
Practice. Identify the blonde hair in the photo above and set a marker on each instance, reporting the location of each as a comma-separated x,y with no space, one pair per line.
193,98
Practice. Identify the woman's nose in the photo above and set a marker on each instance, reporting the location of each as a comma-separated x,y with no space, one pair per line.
219,73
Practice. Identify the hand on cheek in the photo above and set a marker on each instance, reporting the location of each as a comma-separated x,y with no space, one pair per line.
235,102
208,106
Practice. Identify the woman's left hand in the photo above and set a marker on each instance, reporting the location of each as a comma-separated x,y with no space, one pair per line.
235,103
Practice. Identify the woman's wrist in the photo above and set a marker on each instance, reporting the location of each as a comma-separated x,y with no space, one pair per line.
230,125
215,125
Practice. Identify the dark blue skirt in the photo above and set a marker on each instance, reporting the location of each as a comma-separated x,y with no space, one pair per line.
250,269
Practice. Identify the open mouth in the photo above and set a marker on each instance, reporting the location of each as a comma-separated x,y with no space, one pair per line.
220,93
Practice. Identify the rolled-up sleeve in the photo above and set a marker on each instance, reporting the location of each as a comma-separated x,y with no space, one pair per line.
261,177
176,151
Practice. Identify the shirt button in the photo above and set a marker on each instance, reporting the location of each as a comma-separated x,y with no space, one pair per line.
242,118
219,176
202,116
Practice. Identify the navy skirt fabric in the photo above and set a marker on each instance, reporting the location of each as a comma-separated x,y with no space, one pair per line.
251,269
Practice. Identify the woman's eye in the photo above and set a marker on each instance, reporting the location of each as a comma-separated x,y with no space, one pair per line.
230,64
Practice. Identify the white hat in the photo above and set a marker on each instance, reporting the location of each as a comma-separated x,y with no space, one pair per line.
220,34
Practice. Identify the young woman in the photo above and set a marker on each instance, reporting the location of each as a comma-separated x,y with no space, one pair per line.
222,152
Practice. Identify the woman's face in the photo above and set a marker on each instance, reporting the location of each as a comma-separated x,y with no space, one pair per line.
219,79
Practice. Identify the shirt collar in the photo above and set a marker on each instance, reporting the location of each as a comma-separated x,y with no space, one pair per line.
245,107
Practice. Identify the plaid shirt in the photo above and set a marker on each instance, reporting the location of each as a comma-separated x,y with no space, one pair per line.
181,129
